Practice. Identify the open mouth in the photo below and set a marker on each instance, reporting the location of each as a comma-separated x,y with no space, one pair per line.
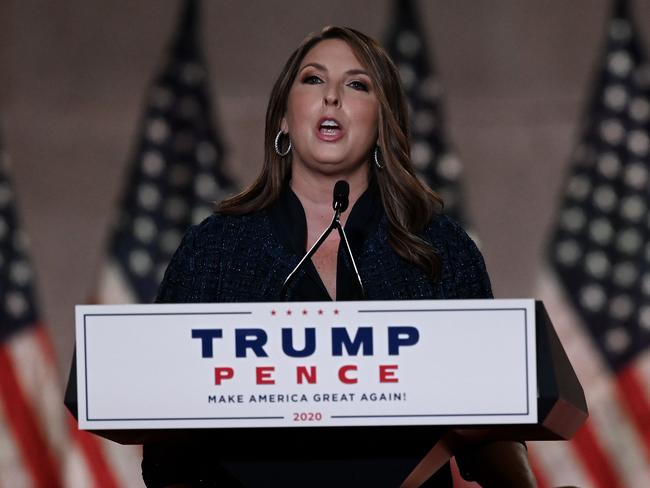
329,127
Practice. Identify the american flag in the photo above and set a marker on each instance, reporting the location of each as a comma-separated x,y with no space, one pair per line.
173,180
435,163
175,176
38,445
598,287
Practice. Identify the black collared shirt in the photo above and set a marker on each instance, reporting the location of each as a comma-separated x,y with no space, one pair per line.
290,224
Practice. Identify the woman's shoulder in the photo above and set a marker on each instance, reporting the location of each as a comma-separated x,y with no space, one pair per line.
193,273
464,273
444,231
219,226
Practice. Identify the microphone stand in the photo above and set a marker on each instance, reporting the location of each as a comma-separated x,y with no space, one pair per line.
348,252
336,223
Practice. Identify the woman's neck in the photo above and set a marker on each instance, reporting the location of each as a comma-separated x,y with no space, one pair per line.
315,193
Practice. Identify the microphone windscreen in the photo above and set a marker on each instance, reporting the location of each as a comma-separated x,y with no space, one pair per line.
341,192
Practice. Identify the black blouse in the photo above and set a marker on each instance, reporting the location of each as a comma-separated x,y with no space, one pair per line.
290,224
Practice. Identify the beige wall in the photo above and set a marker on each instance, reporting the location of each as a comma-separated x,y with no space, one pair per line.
73,74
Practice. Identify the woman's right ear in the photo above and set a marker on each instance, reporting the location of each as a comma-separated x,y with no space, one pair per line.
284,127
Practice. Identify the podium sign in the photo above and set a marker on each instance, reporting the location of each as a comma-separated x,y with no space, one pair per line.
312,364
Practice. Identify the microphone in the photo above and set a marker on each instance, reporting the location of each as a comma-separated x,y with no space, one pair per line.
340,204
341,192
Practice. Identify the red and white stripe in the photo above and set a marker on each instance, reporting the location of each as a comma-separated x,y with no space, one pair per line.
610,451
40,446
26,408
11,470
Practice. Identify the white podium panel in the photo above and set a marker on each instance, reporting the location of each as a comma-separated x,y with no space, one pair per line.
457,362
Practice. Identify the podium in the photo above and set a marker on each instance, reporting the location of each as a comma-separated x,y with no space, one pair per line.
557,410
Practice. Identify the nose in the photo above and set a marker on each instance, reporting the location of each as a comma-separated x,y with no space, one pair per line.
331,97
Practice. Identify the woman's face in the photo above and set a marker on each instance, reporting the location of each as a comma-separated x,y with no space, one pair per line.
332,112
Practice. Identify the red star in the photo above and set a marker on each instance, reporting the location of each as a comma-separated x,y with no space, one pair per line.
272,312
320,312
336,311
288,312
304,312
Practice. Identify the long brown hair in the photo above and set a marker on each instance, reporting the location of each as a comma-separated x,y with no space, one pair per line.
409,205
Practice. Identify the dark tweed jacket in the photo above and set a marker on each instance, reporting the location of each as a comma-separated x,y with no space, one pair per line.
242,259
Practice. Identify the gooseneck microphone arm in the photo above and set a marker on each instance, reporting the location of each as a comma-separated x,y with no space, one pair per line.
309,254
340,204
348,251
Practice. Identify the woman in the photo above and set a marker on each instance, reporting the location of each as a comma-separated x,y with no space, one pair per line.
337,112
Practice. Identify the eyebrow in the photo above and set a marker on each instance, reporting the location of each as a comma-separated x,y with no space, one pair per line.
354,71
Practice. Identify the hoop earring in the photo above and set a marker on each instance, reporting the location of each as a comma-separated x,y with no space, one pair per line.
277,145
377,163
